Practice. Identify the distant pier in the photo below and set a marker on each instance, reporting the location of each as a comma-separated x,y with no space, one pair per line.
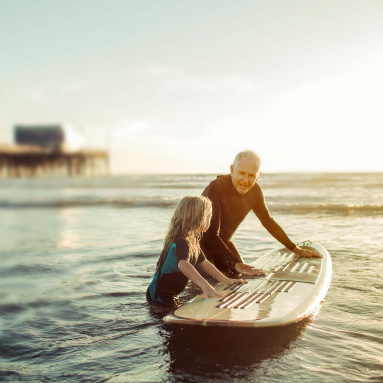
34,161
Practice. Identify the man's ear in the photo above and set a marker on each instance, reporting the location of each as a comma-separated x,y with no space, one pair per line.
231,169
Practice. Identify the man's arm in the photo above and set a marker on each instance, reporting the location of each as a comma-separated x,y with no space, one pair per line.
273,228
263,214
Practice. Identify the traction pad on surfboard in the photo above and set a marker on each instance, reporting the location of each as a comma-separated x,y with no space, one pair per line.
286,270
243,296
289,267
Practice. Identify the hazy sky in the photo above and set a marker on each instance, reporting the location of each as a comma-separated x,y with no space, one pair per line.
181,86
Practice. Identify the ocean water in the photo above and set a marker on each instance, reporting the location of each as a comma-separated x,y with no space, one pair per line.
76,256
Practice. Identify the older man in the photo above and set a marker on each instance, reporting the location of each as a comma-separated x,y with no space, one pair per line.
232,197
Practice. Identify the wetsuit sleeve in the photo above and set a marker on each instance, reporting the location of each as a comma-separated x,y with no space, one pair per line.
182,250
260,209
201,257
212,234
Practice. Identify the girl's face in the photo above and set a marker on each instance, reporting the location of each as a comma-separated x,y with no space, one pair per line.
207,220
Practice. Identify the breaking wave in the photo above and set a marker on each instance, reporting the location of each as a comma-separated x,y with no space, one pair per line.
159,202
331,209
165,202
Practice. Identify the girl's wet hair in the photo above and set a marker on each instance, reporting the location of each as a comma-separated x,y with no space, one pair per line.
188,221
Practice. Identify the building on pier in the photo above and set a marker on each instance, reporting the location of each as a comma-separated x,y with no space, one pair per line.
43,150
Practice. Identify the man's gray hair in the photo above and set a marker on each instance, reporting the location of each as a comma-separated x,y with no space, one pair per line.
247,154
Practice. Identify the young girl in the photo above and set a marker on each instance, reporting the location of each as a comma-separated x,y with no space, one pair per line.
182,252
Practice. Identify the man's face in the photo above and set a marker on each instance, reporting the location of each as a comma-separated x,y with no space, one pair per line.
244,174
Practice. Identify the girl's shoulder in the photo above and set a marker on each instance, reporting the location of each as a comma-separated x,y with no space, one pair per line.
179,245
182,247
180,241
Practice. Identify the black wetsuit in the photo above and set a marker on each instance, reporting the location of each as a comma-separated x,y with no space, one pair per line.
229,209
169,281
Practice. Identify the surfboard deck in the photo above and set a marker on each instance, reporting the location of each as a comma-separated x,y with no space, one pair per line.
292,289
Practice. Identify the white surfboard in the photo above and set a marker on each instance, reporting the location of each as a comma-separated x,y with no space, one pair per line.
291,291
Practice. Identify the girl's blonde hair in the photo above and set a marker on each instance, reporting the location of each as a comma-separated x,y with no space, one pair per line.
189,220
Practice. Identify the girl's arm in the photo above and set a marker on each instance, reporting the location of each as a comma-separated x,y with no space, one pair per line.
189,271
210,269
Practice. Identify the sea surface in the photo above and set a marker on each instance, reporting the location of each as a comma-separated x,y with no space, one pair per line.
77,254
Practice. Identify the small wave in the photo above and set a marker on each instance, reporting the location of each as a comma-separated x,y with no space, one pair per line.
33,269
122,294
333,209
159,202
11,308
145,255
9,374
138,181
163,202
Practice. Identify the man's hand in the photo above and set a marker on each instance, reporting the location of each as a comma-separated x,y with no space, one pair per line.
249,270
306,252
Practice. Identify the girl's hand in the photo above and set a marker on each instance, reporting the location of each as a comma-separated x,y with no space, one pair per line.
211,292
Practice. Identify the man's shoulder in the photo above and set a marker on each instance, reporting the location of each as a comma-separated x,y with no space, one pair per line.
255,194
221,183
256,188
